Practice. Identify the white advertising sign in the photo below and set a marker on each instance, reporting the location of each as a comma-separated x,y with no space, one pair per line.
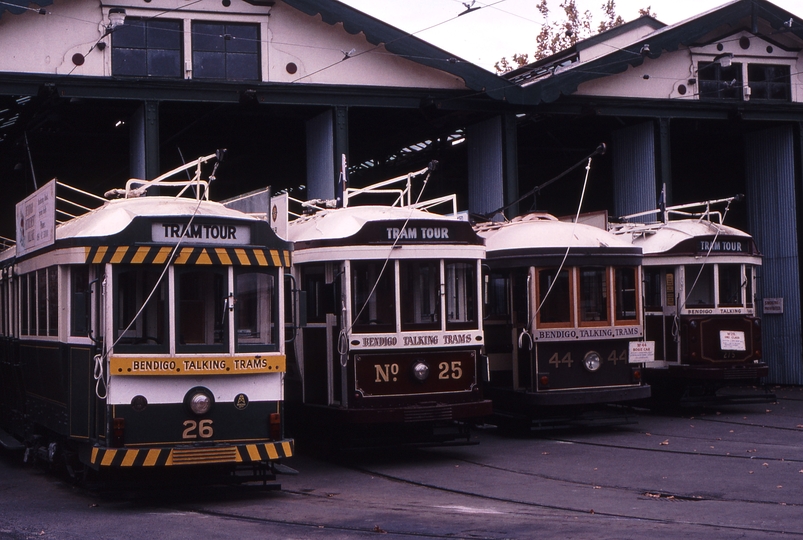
731,340
641,351
278,214
773,306
36,219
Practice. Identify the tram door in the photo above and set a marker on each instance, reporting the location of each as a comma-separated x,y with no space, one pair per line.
317,350
660,306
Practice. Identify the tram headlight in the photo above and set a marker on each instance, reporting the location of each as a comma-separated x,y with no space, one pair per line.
199,400
421,370
592,361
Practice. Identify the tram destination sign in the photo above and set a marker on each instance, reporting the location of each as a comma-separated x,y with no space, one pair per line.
201,233
430,231
197,365
36,219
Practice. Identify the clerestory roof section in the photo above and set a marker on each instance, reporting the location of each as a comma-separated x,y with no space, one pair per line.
630,45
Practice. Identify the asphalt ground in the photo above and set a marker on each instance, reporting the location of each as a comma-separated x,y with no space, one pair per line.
733,471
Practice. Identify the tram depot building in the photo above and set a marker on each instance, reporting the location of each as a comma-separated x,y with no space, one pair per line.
95,93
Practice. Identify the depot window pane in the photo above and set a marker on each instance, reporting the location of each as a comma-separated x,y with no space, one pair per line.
147,48
225,51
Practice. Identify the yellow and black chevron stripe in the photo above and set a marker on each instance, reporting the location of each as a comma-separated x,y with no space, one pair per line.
189,255
177,456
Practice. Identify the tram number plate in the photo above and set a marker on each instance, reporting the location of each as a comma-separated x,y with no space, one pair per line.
193,429
731,340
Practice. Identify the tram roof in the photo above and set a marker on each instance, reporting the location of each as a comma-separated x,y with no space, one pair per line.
114,216
345,222
655,238
538,231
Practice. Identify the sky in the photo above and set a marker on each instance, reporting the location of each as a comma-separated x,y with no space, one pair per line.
506,27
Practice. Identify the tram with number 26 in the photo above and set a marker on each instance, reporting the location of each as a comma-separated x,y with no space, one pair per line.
390,353
562,311
146,333
699,296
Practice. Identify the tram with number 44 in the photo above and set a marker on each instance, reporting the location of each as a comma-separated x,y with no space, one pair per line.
699,301
145,334
562,317
390,350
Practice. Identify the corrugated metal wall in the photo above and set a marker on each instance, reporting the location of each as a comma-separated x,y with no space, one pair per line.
320,157
633,153
485,166
770,176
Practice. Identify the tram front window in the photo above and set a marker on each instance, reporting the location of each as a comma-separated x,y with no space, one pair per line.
730,284
554,297
699,286
420,290
132,288
461,292
373,312
593,294
255,292
202,311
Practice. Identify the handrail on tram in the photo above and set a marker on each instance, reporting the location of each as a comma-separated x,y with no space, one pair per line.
201,185
677,210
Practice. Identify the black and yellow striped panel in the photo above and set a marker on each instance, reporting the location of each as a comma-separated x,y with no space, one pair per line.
189,255
169,457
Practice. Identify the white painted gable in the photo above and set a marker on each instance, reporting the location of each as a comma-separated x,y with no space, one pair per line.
295,48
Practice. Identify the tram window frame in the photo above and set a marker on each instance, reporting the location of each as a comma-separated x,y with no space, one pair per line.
749,276
621,315
219,310
585,304
267,315
705,283
424,296
462,311
142,288
320,295
723,282
24,305
80,301
380,314
568,300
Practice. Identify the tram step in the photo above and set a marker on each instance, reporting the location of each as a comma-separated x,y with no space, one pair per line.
10,443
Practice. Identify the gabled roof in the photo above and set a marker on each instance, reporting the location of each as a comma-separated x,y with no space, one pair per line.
376,32
562,73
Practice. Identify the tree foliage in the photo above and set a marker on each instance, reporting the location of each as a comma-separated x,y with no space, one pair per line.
558,35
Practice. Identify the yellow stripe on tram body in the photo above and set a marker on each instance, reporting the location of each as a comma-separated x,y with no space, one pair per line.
272,453
140,255
260,256
99,255
288,450
223,256
242,256
119,253
162,256
128,459
253,452
150,459
108,458
184,255
204,258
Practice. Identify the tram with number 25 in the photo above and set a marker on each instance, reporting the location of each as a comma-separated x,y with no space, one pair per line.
562,311
390,353
699,291
145,334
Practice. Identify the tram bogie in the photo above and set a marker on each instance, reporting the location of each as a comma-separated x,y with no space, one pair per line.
390,353
700,306
148,334
563,306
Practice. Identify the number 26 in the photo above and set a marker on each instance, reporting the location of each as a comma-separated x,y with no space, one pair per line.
194,429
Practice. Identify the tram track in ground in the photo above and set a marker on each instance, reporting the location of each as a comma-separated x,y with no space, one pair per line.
586,511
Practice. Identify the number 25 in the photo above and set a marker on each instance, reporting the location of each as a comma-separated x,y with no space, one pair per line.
456,370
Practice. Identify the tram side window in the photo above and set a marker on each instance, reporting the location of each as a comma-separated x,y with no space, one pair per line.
652,289
201,309
79,301
420,289
461,292
748,285
593,294
699,286
377,312
132,288
554,297
626,294
255,307
24,307
730,284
